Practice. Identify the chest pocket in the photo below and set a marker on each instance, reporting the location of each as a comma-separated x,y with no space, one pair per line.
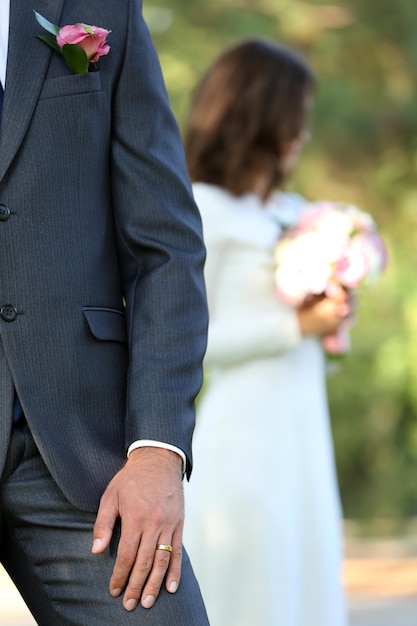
71,85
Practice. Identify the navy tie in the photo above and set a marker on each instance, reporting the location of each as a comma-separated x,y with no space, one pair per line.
17,411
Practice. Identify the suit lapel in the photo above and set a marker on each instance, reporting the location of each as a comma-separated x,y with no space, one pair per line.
27,62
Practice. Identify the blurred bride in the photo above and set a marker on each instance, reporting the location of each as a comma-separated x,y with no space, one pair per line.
263,518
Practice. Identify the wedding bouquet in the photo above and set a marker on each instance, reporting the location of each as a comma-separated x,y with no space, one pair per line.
332,246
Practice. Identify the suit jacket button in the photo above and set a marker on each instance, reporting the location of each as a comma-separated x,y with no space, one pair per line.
8,312
4,213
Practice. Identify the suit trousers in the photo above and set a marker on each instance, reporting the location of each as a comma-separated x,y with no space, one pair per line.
46,549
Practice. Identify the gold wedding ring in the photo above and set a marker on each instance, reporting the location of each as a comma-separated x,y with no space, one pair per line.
164,546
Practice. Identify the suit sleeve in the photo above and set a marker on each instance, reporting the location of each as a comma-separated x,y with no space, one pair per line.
160,250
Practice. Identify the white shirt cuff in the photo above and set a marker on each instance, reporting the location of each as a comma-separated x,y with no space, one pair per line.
142,443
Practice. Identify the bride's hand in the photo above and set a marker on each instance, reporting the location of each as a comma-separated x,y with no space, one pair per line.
323,315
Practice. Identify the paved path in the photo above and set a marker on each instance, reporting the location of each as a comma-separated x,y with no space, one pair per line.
381,583
380,579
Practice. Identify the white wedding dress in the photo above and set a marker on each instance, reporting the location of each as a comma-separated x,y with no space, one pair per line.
263,518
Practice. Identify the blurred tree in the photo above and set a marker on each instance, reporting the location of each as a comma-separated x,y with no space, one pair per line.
364,151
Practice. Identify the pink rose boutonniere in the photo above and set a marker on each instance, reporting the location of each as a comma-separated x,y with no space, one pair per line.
79,44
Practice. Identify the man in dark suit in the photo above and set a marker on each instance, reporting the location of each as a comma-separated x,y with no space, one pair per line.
102,325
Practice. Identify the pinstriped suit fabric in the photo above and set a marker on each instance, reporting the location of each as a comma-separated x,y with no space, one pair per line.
61,255
102,237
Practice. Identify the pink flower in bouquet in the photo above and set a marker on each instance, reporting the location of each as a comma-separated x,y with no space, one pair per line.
337,343
332,226
332,246
92,39
353,266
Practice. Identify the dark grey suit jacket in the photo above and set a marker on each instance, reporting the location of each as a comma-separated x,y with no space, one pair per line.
102,253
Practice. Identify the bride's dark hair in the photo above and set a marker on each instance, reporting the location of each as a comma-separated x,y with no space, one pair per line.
249,105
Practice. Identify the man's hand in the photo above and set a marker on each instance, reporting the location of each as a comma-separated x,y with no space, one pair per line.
147,495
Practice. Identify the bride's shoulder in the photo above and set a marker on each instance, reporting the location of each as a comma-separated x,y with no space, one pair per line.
216,207
208,192
216,204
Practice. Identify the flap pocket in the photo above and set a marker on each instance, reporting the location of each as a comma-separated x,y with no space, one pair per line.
106,324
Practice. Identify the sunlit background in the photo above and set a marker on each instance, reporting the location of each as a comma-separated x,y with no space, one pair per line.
364,151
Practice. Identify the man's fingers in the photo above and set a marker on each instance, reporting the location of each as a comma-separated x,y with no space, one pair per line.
174,568
103,528
127,557
155,579
145,577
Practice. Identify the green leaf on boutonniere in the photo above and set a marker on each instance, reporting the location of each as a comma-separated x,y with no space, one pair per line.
75,58
48,26
51,41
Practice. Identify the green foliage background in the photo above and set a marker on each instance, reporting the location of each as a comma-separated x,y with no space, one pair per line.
364,151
